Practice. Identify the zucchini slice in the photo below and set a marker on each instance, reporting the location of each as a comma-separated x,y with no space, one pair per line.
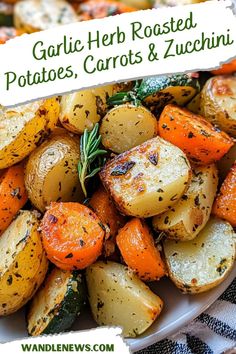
56,305
158,91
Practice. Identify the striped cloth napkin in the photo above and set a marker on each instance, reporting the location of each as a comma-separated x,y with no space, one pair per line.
213,332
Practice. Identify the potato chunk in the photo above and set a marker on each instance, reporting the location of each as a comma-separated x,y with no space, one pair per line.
148,179
82,110
24,127
23,263
51,172
127,126
218,102
201,264
191,213
119,298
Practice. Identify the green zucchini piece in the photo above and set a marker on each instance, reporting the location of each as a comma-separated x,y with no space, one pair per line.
6,15
157,91
160,90
56,305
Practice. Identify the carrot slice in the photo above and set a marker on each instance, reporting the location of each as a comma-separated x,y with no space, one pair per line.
13,194
104,208
225,203
138,250
198,138
102,205
228,68
72,235
101,8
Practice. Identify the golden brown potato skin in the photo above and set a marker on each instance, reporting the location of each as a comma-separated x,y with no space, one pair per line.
148,179
23,268
127,301
190,214
83,109
127,126
51,171
218,102
25,127
201,264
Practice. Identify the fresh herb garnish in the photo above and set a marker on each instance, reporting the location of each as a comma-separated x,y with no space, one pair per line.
91,156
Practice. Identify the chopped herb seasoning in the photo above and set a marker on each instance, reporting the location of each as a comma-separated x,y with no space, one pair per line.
70,255
122,169
100,305
174,197
153,158
204,133
196,200
9,280
16,193
53,219
81,242
184,197
102,226
166,220
190,135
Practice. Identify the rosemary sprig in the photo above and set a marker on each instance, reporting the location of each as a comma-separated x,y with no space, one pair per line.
91,156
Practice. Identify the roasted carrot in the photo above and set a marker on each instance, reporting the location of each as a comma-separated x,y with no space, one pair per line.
199,139
72,235
226,68
101,8
225,203
13,194
103,207
139,252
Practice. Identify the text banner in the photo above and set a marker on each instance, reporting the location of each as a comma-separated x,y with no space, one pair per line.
101,340
123,47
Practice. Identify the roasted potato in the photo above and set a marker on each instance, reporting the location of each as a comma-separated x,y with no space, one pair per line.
35,15
24,127
190,214
51,172
218,102
148,179
81,110
201,264
127,126
119,298
23,264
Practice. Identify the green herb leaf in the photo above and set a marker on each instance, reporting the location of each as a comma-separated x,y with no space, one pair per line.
91,156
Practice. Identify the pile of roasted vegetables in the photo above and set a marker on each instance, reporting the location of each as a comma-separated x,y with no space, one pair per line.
105,190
